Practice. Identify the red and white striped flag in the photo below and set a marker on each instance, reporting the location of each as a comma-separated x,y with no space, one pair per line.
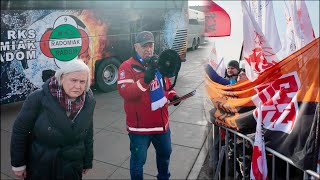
299,30
257,52
259,168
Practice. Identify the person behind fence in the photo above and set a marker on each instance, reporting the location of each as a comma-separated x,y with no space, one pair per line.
233,75
146,108
52,137
230,76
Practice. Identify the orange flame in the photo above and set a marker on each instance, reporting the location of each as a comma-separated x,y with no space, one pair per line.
97,30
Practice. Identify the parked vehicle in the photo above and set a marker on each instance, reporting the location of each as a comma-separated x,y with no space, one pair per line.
196,28
37,37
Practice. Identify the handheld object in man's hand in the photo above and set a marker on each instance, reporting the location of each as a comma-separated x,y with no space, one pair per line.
186,96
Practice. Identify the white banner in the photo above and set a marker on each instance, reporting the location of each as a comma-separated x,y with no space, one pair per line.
257,52
264,16
299,30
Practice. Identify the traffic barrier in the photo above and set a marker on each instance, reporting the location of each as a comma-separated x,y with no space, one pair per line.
291,170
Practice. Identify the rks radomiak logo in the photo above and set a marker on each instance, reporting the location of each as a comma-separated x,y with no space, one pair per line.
66,40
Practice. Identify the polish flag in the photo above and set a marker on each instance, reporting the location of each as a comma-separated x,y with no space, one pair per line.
259,168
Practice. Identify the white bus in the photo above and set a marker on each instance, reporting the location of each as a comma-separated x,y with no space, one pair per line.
195,28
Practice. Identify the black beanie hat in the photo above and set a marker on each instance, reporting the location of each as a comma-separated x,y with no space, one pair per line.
234,64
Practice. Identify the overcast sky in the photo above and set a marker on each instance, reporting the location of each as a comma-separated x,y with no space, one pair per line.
229,47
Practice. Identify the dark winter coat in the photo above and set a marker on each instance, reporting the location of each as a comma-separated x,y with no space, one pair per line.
58,148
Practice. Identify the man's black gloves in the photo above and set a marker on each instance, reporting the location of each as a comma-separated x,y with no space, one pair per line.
149,74
175,97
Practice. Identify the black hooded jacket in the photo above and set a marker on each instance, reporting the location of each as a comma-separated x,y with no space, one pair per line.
48,142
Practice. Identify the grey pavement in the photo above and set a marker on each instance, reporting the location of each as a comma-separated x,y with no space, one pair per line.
111,142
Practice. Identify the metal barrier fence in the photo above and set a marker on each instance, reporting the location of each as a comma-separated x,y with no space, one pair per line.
242,158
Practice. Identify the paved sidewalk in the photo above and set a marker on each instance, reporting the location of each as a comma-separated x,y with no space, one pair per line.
111,142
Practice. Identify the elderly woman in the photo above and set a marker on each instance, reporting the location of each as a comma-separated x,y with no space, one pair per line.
52,137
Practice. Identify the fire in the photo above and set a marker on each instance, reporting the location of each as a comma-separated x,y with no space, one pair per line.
97,31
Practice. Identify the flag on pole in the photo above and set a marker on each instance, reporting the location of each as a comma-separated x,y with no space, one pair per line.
218,66
259,168
263,13
222,68
257,52
217,20
299,30
213,60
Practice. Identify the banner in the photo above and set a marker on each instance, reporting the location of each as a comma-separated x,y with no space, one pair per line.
299,31
263,13
289,95
217,20
257,52
259,168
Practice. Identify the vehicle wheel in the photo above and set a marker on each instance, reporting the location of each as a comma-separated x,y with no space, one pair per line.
198,43
107,74
194,44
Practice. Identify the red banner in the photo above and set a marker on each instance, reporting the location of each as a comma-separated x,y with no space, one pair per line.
217,20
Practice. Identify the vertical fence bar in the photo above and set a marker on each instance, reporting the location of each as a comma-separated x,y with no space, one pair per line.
305,175
244,159
227,149
234,156
273,166
219,129
287,171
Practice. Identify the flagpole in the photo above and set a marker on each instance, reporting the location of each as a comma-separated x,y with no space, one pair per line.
241,52
219,64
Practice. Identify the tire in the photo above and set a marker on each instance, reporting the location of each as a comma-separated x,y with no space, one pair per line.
198,43
107,74
193,45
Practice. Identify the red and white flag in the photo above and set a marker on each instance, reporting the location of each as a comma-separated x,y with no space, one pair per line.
263,13
217,20
213,60
299,30
218,66
259,168
257,52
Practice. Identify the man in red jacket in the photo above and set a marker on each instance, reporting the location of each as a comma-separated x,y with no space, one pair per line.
145,104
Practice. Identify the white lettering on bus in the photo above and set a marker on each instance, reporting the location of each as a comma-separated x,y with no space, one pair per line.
65,43
66,51
21,34
12,34
30,45
9,56
5,46
21,45
31,33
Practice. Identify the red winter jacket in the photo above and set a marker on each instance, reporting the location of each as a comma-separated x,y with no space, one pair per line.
137,104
